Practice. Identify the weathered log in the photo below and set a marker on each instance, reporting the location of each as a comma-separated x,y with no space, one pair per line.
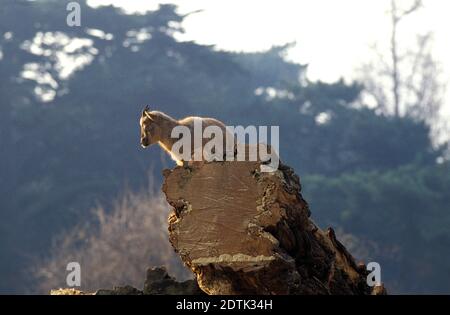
243,231
157,282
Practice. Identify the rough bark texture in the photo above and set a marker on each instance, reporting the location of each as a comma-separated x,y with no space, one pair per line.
242,231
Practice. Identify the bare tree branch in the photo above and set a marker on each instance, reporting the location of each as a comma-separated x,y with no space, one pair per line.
410,83
418,4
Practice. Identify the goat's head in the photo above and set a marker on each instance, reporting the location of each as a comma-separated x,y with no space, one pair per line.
148,128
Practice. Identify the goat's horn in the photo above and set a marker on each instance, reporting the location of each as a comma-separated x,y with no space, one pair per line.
148,115
146,109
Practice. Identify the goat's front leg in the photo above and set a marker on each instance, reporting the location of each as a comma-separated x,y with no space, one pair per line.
186,165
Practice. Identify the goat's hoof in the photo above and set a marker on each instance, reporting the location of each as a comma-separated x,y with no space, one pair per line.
186,166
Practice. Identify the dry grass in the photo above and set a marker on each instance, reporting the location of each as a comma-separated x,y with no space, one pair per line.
116,249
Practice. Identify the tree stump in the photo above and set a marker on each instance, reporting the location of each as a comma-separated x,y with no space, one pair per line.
243,231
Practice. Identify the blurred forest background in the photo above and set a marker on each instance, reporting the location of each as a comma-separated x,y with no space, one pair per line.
75,184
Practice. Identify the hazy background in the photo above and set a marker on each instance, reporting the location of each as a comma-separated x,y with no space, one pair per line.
349,28
363,119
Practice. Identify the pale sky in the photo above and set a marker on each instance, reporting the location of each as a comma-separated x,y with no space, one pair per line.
333,37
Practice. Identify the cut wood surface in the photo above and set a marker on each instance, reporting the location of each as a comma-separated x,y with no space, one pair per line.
243,231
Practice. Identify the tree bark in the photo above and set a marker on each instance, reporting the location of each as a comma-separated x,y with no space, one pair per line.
243,231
